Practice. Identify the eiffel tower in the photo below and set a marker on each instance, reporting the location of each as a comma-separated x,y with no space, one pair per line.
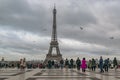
54,43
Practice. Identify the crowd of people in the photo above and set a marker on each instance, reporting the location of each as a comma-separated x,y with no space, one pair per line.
103,65
80,64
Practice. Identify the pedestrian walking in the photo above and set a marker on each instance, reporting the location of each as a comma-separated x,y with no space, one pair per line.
106,64
115,63
62,63
78,63
66,64
49,64
90,65
101,64
93,64
71,63
83,65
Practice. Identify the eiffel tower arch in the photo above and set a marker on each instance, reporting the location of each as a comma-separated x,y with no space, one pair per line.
54,43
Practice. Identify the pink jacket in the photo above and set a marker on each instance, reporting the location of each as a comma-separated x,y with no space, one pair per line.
83,65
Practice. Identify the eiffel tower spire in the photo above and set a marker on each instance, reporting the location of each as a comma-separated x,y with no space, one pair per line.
54,32
54,43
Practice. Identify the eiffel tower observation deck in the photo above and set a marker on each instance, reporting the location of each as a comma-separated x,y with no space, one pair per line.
54,42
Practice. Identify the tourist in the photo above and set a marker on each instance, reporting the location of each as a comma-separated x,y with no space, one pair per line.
78,63
93,64
97,62
18,65
57,64
21,64
66,64
106,64
83,65
24,63
53,64
29,65
71,63
49,64
89,64
61,63
115,63
40,65
101,64
2,63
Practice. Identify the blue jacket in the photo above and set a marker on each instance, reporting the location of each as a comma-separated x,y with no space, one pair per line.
101,63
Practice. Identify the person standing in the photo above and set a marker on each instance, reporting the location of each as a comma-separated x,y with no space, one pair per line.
21,64
93,64
49,64
66,64
97,62
101,64
78,63
115,63
61,63
106,64
53,63
24,63
71,63
83,65
89,64
18,65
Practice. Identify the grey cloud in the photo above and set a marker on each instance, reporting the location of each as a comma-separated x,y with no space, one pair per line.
99,19
17,14
79,17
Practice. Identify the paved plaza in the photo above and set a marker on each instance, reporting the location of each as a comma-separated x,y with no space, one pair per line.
57,74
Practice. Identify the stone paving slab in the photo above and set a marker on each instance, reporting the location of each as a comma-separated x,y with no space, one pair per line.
3,78
58,74
63,78
13,73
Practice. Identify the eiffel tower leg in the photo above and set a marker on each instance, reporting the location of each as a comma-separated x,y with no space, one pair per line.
58,51
50,50
48,56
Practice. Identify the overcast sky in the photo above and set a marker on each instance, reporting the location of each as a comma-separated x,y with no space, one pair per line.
26,27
